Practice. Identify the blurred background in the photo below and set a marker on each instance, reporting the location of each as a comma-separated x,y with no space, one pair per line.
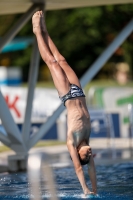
81,35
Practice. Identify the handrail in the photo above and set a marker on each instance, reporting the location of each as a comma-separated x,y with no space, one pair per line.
39,166
130,110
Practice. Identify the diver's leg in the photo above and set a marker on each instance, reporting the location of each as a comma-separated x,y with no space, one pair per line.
59,77
72,77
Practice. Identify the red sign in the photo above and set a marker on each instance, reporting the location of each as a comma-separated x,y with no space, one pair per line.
12,104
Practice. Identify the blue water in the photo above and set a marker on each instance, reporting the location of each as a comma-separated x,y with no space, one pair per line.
114,183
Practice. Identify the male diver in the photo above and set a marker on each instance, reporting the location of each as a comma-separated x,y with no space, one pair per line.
72,96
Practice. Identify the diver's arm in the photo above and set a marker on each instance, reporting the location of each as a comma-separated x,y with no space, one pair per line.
78,167
92,174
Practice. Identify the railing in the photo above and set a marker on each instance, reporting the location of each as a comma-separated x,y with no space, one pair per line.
39,166
130,110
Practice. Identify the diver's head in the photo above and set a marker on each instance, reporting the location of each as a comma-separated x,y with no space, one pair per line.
84,154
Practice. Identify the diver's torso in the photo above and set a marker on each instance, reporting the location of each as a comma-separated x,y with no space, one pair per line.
78,120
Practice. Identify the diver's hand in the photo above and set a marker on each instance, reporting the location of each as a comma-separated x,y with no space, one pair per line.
87,191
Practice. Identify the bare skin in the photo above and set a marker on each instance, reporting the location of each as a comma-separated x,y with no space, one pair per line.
78,119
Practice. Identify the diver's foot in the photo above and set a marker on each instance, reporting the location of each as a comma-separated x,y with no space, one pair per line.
43,25
36,22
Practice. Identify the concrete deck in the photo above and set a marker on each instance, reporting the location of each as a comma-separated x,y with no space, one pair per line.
106,151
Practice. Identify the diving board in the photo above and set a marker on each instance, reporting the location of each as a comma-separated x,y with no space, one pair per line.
21,6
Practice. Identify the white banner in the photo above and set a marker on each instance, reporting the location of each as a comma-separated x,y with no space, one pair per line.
117,100
44,103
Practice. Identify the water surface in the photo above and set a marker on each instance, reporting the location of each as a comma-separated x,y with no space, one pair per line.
115,182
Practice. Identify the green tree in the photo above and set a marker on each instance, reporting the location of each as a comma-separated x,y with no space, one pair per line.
81,35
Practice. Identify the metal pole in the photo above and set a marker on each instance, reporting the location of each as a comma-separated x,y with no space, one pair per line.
94,68
32,82
39,166
130,110
112,136
45,127
17,27
4,139
34,169
35,59
98,64
12,130
8,122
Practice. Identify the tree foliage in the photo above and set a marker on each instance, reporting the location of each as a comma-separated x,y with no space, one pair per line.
82,34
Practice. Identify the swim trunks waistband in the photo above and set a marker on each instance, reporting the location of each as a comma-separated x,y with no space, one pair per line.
74,92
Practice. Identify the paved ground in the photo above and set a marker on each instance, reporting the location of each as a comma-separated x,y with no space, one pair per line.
106,151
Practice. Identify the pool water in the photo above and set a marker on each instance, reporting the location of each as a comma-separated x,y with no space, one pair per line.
115,182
